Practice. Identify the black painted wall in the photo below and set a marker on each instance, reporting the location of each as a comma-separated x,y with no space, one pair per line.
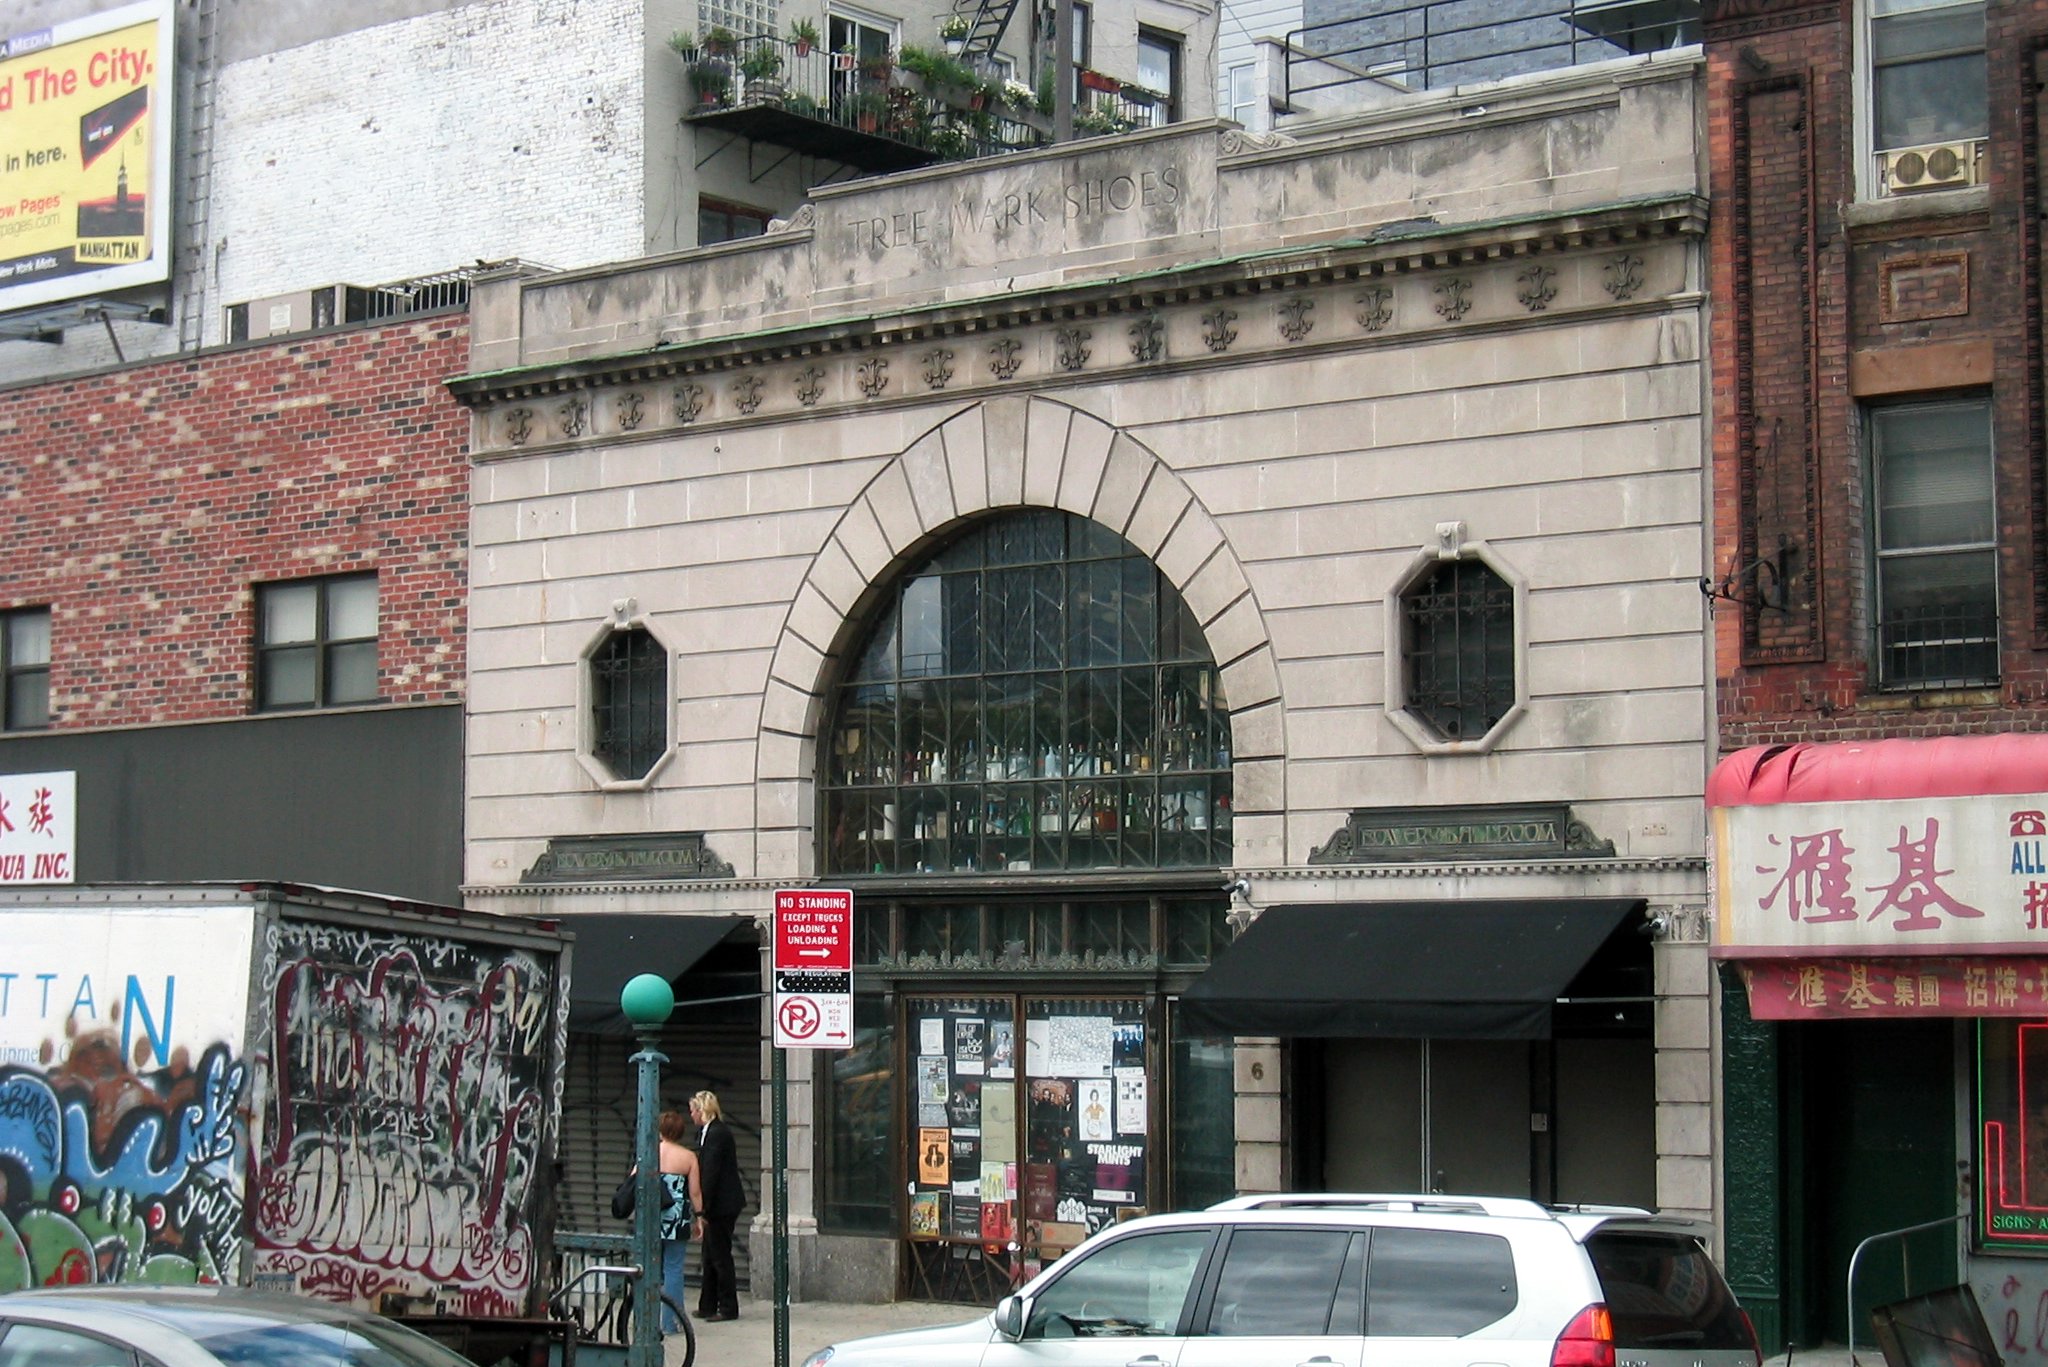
368,800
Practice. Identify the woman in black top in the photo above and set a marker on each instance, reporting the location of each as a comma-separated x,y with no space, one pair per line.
719,1161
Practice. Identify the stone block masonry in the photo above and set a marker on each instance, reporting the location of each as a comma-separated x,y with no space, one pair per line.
142,505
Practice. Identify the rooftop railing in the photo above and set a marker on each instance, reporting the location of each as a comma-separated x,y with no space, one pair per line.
1381,52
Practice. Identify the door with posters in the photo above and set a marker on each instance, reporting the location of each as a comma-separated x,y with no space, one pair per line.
1030,1121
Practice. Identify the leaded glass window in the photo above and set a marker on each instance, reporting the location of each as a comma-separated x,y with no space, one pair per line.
629,702
1034,695
1460,651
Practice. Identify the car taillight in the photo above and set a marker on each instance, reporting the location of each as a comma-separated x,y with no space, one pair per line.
1588,1341
1756,1345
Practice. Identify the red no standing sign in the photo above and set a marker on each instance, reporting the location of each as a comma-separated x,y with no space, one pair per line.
813,962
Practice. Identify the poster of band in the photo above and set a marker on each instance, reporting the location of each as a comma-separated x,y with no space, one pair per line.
1035,1141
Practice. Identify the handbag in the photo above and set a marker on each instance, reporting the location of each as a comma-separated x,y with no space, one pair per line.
622,1200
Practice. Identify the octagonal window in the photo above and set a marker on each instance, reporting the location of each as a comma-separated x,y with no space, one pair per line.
629,702
1459,620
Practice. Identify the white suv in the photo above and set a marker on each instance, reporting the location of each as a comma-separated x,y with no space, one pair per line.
1332,1280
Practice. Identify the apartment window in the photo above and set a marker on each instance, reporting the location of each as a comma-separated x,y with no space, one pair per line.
1929,110
316,643
25,669
1935,533
719,221
629,702
1159,58
1243,94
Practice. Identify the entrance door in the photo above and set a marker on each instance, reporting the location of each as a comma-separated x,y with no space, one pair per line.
1427,1115
1873,1149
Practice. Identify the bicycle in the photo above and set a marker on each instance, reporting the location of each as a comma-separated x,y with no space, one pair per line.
613,1320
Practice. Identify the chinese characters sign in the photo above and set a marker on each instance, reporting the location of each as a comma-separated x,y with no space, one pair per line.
1841,989
38,825
1919,876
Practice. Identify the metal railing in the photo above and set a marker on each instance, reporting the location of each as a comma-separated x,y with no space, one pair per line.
1383,51
871,95
584,1267
1942,644
1905,1266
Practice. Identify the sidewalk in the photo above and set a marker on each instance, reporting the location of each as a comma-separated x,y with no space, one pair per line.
749,1341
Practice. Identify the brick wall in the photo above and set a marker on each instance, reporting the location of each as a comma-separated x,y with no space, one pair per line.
140,505
1796,286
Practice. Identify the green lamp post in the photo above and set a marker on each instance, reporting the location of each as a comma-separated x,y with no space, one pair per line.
647,1001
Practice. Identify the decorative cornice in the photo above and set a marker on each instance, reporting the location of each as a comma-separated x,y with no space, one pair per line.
1521,868
1405,281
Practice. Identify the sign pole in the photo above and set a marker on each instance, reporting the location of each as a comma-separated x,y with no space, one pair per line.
781,1232
812,1006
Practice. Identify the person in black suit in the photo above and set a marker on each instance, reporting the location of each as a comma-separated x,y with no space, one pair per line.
718,1297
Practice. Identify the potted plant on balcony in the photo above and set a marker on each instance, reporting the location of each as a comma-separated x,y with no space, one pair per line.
953,31
762,66
1096,80
684,44
721,41
711,79
865,108
804,35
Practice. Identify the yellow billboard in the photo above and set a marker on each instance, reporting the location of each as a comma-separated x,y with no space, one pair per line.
85,156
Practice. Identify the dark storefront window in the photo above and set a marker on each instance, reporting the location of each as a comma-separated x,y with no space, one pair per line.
1035,696
1204,1150
854,1125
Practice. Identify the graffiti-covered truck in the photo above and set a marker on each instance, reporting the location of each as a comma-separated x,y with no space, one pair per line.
278,1086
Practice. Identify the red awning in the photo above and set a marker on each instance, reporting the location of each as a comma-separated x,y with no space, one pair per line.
1878,770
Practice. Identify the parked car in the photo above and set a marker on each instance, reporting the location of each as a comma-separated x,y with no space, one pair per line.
1357,1280
136,1325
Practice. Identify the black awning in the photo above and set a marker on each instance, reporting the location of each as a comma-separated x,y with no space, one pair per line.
611,950
1402,970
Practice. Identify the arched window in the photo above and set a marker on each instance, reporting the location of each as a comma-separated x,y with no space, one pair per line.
1033,695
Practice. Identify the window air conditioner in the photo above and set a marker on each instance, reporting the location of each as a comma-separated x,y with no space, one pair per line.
1936,166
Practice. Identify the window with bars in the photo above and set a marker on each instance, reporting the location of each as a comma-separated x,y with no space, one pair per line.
316,643
1935,531
1459,651
1033,696
629,702
25,669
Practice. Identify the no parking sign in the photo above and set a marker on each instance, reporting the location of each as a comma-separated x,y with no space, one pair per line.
813,968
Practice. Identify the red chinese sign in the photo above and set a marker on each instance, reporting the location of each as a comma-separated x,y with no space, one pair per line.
1911,876
1845,989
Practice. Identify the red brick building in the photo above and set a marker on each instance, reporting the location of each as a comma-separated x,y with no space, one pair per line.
233,605
1881,548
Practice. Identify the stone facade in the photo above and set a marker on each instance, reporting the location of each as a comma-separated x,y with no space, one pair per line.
1283,369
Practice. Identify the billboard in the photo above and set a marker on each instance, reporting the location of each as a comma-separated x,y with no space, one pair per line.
85,156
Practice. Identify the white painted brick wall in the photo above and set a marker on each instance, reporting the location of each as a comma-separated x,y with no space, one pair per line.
505,128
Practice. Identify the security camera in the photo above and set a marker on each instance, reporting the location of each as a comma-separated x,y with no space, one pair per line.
1239,887
1655,927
